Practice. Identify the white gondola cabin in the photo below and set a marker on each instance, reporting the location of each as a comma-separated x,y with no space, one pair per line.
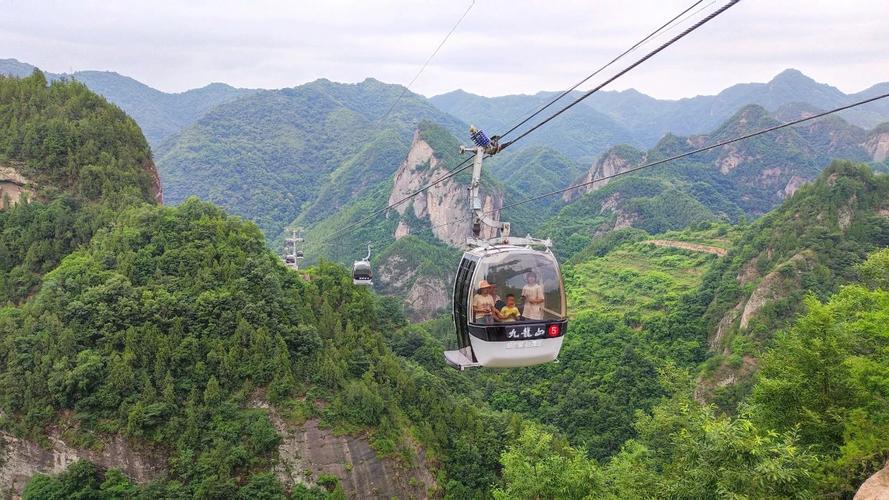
533,279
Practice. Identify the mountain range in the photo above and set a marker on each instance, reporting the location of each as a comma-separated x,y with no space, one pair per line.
160,114
322,155
728,332
647,119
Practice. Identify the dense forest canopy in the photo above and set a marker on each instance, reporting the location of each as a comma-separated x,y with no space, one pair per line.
82,157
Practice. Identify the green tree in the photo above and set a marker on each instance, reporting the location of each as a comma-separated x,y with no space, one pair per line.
536,466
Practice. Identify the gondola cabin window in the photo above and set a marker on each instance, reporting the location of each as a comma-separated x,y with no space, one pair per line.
532,278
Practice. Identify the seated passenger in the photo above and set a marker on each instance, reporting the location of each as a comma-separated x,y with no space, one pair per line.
509,312
532,298
483,310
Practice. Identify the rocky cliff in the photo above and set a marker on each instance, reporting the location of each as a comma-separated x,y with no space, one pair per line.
306,453
309,451
615,161
758,173
876,487
22,458
414,267
877,143
13,186
443,203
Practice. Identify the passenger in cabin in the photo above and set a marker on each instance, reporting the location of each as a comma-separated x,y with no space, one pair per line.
483,310
532,298
498,302
509,312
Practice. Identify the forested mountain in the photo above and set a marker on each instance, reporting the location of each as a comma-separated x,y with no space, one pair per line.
273,154
581,133
728,332
175,337
416,243
160,114
647,119
69,159
809,245
747,178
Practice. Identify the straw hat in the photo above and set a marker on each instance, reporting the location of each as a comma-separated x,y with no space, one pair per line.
484,284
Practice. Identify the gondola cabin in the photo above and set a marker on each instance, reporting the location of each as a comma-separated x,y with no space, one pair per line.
485,277
361,273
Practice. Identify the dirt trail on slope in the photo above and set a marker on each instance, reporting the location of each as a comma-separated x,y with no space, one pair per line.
693,247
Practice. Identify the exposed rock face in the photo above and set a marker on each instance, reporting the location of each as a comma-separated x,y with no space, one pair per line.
876,487
729,160
425,296
158,190
846,212
23,458
877,145
770,289
12,186
306,452
766,291
445,202
793,185
717,341
609,164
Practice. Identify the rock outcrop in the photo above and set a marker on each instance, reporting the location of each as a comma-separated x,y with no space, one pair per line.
613,162
877,143
22,458
876,487
441,204
425,296
308,451
13,186
157,188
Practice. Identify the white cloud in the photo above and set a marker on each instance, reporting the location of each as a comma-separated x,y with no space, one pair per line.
501,47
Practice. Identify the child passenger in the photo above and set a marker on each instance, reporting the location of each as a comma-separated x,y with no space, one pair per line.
509,312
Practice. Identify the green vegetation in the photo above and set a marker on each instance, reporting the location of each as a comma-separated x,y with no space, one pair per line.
650,204
270,156
177,328
165,327
825,378
84,159
809,245
66,139
636,279
158,114
814,425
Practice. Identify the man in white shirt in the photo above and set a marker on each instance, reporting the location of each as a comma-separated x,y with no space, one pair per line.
532,298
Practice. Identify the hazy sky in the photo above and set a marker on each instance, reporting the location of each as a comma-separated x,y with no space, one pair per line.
501,47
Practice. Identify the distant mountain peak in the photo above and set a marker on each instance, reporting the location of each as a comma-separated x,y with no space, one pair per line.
792,75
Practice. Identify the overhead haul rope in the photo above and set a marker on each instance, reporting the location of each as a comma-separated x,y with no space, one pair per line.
639,61
672,158
467,163
426,63
603,67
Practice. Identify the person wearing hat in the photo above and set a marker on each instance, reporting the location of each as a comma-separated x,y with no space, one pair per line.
483,310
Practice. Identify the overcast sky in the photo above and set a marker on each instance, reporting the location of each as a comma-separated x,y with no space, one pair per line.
502,46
